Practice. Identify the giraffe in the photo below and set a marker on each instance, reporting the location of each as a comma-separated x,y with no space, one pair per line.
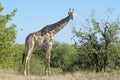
44,38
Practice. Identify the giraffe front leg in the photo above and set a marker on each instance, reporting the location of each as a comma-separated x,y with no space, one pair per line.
47,65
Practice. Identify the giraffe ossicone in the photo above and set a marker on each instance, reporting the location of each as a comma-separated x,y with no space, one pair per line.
44,38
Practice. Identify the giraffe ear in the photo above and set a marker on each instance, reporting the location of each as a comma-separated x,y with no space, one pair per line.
69,9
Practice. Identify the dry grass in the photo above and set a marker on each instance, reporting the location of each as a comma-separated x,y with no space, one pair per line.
8,75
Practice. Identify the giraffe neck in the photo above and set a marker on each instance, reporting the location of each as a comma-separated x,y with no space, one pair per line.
56,27
60,24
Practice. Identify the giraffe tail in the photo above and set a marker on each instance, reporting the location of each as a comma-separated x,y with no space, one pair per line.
23,58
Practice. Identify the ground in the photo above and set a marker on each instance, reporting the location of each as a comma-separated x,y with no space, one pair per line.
9,75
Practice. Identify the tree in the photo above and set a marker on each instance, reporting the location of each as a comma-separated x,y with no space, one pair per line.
7,39
97,39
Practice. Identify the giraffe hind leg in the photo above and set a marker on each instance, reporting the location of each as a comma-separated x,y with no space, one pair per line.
25,67
27,61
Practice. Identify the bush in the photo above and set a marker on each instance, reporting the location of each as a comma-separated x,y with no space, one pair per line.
7,40
62,56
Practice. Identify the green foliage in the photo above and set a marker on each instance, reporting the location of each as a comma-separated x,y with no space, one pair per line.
18,57
62,55
96,43
7,40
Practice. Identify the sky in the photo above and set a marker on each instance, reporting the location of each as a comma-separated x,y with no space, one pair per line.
33,15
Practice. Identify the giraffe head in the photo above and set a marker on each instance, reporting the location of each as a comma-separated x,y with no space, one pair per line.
71,13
